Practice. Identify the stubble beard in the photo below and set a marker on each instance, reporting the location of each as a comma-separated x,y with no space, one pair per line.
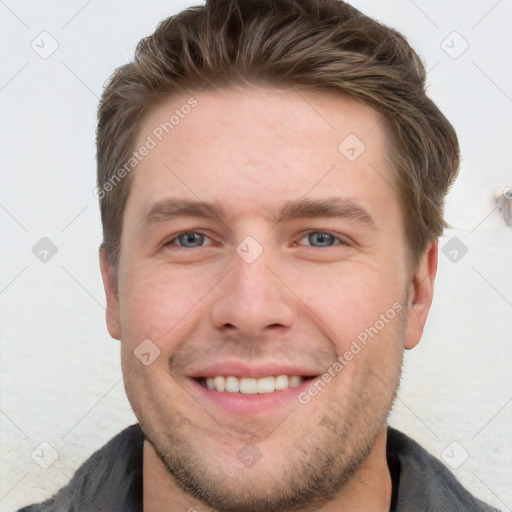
307,474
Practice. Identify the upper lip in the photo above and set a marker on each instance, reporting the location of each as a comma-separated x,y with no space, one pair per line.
255,370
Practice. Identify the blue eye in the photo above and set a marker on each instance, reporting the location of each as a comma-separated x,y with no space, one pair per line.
189,240
195,239
322,238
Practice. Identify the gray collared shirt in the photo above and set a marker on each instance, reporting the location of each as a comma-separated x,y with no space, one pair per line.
111,480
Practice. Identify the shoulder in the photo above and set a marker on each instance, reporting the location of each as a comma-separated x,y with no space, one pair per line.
111,479
425,483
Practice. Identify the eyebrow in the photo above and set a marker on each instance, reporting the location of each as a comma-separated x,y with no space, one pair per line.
329,207
168,209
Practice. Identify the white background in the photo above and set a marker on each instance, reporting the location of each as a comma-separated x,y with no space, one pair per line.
61,380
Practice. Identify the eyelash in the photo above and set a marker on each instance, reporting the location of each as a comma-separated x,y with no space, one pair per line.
334,236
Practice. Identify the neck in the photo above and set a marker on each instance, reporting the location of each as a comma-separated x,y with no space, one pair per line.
369,490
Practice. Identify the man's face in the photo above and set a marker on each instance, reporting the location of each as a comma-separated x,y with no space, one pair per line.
302,256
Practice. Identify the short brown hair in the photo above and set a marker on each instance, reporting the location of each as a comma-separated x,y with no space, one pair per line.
326,45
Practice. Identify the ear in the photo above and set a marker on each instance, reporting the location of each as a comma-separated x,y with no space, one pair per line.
110,286
420,295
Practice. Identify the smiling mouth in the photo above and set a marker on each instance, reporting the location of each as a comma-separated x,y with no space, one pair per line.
252,386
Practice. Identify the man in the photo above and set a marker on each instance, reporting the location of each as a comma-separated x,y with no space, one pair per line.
271,178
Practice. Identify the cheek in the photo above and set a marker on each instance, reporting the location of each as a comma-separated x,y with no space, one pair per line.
348,298
158,302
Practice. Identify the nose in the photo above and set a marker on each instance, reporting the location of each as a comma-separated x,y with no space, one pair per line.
253,299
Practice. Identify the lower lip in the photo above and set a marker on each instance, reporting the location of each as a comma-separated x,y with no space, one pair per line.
242,404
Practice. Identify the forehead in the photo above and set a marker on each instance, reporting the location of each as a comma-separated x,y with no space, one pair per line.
251,148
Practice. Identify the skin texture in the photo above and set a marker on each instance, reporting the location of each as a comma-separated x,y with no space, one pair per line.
303,300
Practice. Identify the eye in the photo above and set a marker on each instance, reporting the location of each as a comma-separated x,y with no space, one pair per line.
322,239
188,240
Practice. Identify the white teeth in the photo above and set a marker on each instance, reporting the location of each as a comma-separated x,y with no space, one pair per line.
232,385
248,386
294,381
220,383
266,385
252,386
281,382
